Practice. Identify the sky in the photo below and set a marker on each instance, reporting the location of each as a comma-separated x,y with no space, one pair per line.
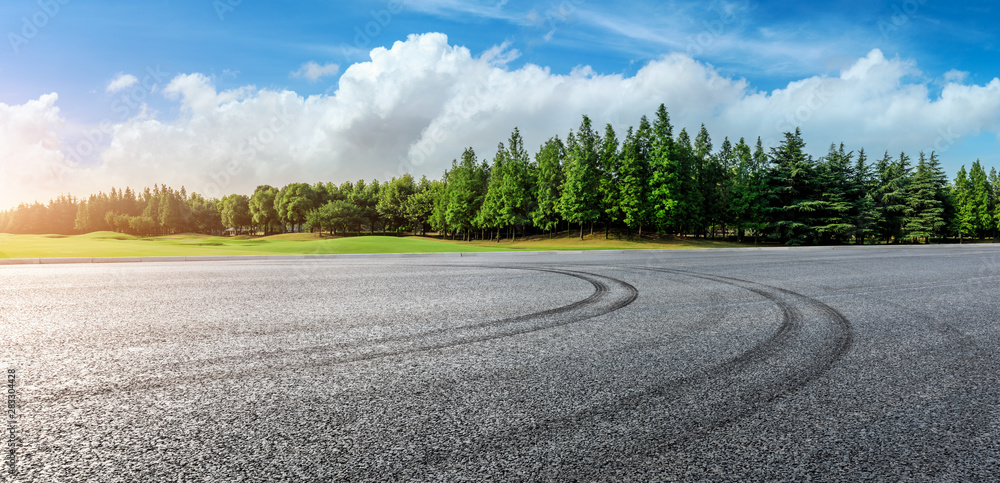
220,96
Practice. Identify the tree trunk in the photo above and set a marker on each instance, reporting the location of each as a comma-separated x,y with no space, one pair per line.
581,230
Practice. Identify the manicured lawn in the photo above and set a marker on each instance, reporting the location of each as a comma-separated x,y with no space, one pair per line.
108,244
597,242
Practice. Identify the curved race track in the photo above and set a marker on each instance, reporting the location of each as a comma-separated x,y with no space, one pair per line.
831,364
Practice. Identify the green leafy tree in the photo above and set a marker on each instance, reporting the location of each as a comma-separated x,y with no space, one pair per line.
365,197
141,225
439,220
392,203
315,220
262,209
420,206
235,212
342,215
293,203
174,213
204,214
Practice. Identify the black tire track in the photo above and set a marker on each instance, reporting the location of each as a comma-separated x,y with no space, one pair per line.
655,422
610,294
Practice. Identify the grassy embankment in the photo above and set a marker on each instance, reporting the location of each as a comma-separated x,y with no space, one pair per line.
108,244
597,242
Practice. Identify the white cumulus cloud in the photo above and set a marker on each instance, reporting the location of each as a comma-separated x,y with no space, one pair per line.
32,167
415,106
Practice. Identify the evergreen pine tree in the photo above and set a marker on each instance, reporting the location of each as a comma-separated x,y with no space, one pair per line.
832,211
965,219
687,189
517,189
467,187
663,174
548,182
892,195
726,187
979,200
634,175
864,202
709,178
491,215
791,192
580,201
609,165
995,182
924,211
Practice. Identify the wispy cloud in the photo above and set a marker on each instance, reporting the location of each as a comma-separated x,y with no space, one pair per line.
461,9
313,71
120,82
729,35
734,35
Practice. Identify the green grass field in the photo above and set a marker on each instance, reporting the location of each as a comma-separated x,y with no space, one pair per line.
598,242
109,244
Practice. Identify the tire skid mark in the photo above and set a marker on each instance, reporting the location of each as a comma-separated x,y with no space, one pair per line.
609,295
707,400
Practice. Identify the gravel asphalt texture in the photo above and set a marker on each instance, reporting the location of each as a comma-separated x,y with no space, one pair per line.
846,364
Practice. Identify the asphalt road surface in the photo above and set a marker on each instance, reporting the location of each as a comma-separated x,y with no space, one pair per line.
829,364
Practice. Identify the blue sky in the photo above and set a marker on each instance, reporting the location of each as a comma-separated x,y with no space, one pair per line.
164,73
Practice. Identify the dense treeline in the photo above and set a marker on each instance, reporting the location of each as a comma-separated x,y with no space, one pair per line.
652,181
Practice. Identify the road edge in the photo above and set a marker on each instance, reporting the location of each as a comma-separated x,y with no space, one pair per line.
78,260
